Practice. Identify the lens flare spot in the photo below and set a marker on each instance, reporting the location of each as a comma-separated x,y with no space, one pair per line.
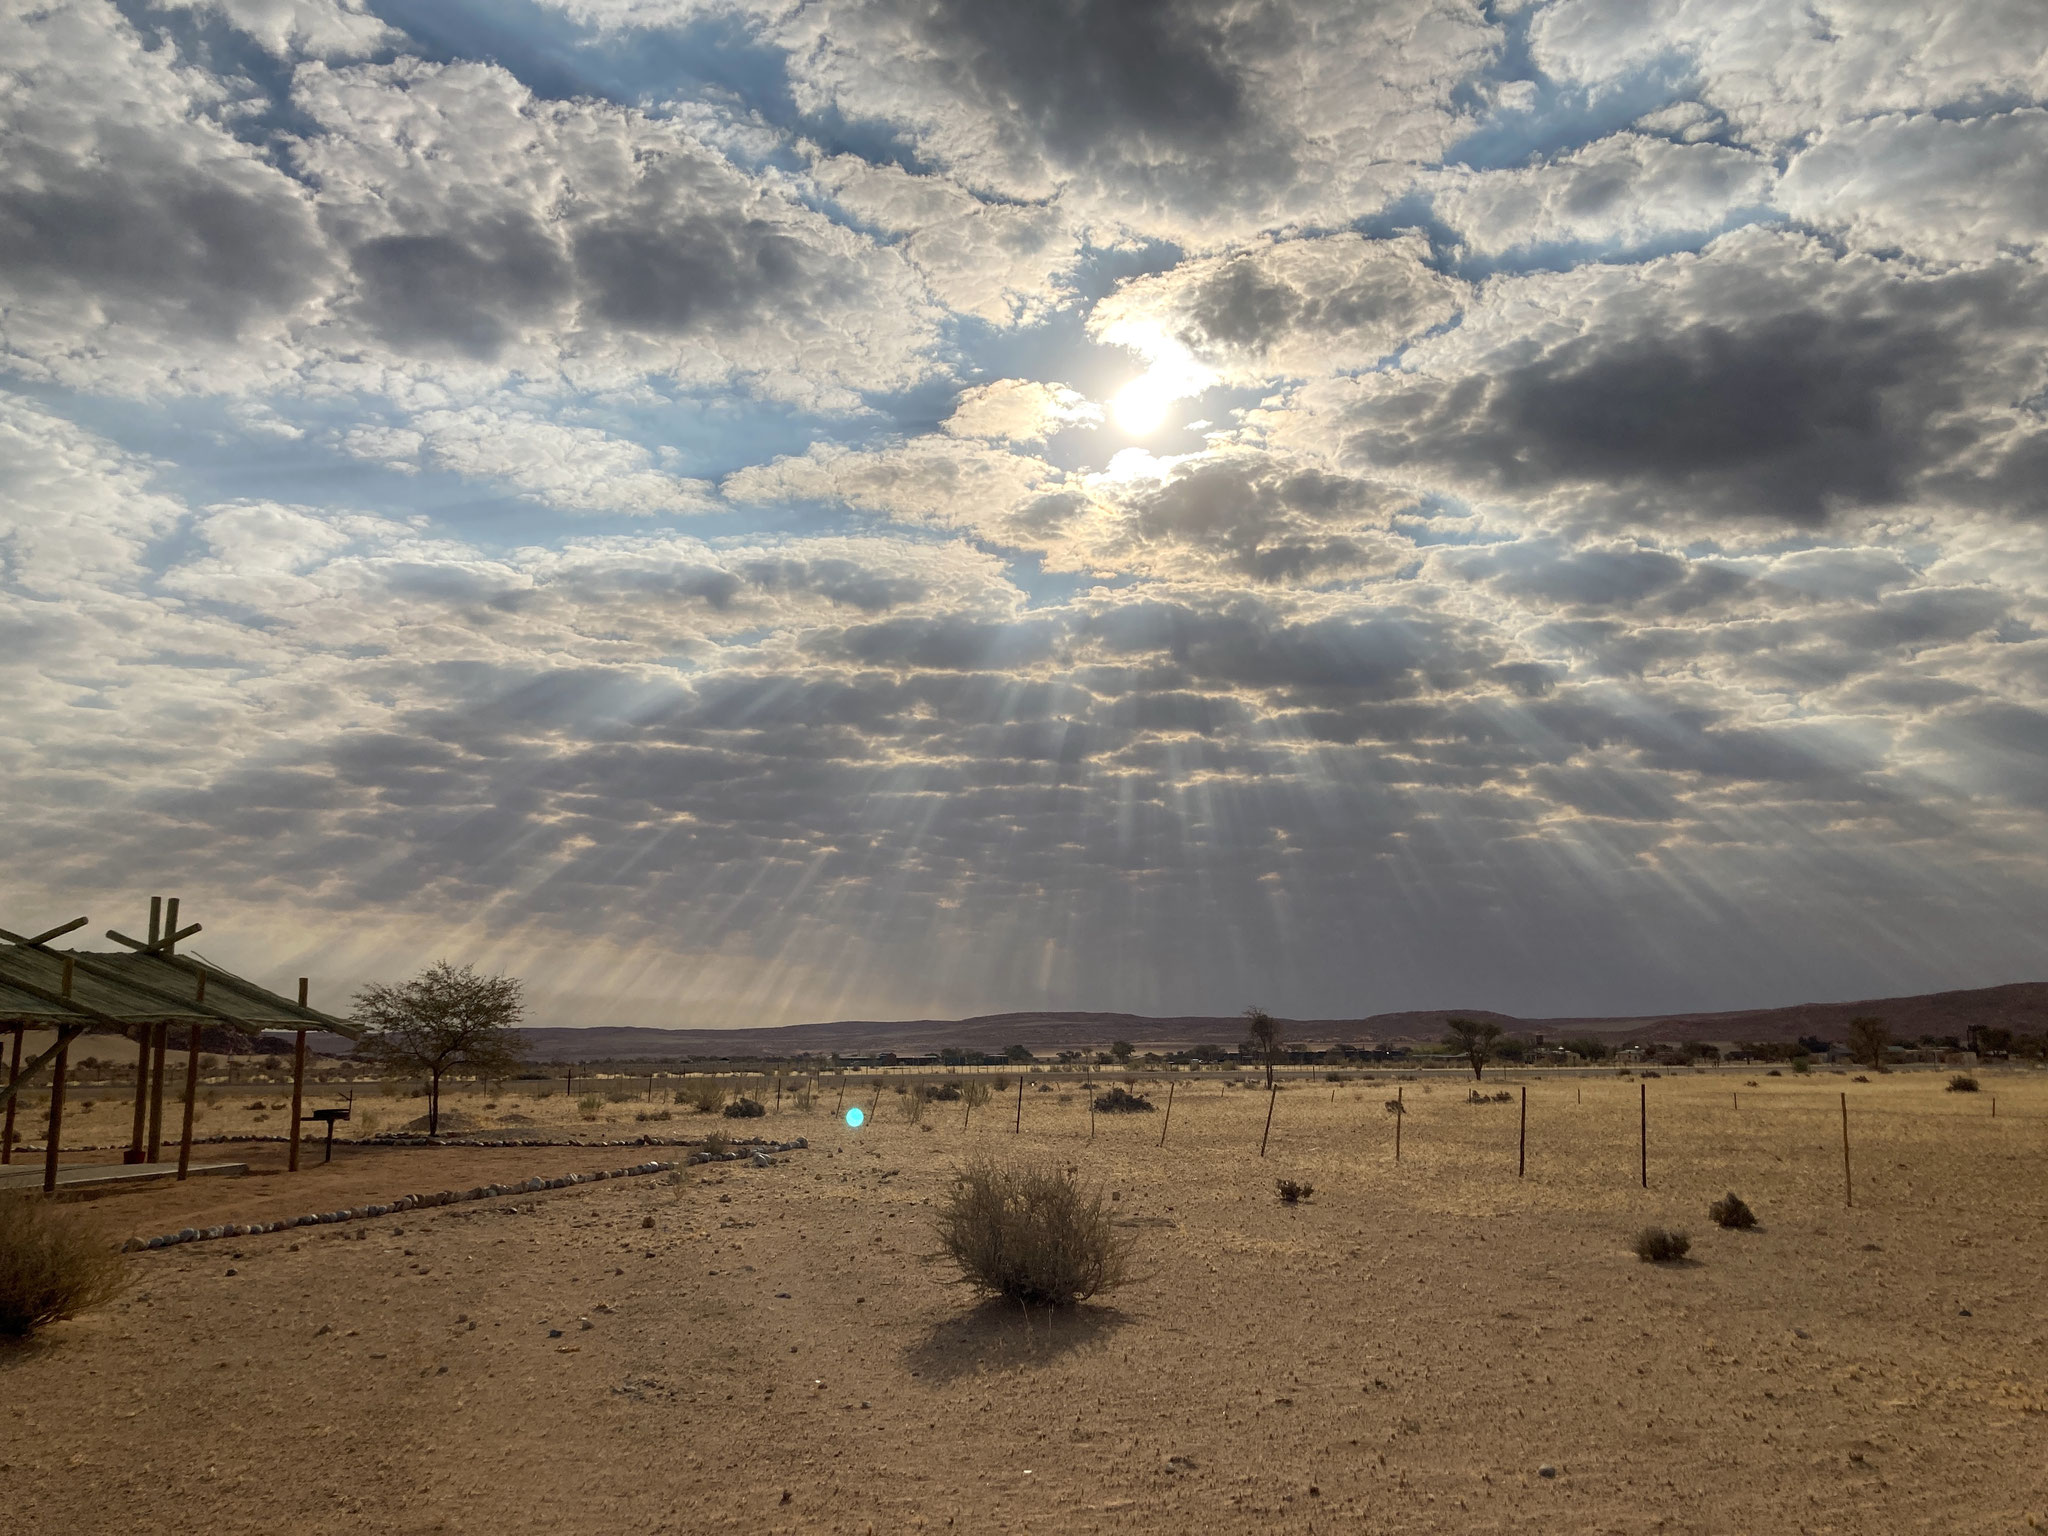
856,1117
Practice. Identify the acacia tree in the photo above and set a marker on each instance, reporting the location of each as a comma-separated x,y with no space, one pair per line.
1474,1039
441,1019
1869,1040
1263,1038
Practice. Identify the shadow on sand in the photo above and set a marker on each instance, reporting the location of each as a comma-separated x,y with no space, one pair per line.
1000,1335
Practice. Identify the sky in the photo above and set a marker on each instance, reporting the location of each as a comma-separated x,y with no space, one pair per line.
746,511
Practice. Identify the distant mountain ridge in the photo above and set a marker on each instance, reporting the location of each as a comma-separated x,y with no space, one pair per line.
2018,1005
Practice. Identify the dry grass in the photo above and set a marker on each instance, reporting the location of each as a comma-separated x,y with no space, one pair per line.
1661,1245
706,1095
52,1265
1032,1234
1730,1211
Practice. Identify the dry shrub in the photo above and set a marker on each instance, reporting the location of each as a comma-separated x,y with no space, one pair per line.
1962,1082
706,1095
913,1106
1121,1101
947,1092
52,1266
1732,1212
1032,1234
744,1108
1658,1245
977,1093
589,1106
1293,1192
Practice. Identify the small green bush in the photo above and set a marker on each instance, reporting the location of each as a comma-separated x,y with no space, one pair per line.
1293,1192
744,1108
589,1106
52,1266
1730,1211
1032,1235
943,1093
1657,1245
1962,1082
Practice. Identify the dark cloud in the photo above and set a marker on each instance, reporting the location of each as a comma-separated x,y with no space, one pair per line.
472,291
199,250
1788,393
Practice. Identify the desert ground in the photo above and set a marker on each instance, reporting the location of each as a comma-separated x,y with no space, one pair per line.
780,1349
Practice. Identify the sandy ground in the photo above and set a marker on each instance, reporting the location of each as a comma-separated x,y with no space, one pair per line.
780,1351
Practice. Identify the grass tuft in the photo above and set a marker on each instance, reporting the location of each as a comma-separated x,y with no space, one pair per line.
1732,1212
1293,1192
52,1266
1032,1234
1962,1082
1659,1245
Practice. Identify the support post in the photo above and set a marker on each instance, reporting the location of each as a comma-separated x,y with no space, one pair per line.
13,1077
1168,1123
1644,1089
156,919
1400,1114
191,1096
1272,1097
298,1097
839,1098
1018,1129
1848,1185
1522,1150
134,1153
170,934
56,1113
159,1038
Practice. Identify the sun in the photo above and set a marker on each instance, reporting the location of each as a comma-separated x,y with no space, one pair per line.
1172,374
1140,406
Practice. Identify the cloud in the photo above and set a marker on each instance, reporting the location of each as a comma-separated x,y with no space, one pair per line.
1623,190
1762,380
1781,72
1182,119
140,241
1287,308
576,468
1020,411
1947,189
324,29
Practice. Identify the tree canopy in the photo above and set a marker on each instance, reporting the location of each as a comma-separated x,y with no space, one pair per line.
439,1020
1263,1038
1476,1040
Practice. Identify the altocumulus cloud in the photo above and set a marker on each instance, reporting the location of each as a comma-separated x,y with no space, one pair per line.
685,542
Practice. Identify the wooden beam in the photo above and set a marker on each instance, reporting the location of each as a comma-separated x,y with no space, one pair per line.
162,945
56,1114
156,919
57,932
13,1074
171,926
191,1094
174,1003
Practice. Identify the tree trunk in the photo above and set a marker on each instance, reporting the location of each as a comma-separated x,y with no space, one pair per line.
434,1104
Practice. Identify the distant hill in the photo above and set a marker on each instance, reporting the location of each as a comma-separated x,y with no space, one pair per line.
2020,1005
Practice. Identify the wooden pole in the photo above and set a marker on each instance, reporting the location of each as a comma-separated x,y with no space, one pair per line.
56,1113
1167,1124
13,1077
1019,1127
298,1086
170,933
158,1040
1272,1097
1644,1089
1848,1186
1400,1114
141,1094
1522,1152
191,1096
156,918
840,1097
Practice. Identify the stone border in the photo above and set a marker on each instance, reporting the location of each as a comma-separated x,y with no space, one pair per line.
759,1156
